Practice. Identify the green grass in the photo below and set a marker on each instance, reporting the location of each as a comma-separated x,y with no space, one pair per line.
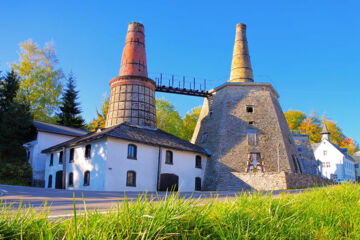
324,213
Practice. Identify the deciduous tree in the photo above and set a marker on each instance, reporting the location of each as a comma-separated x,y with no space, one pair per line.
294,119
167,118
40,79
100,119
189,123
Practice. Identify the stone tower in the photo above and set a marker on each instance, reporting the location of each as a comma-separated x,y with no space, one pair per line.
244,128
132,96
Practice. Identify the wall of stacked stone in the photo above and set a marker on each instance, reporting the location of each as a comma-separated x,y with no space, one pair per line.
280,180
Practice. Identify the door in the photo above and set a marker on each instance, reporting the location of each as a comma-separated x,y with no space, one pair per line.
169,182
59,180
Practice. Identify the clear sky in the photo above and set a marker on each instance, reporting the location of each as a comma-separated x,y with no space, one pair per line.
309,50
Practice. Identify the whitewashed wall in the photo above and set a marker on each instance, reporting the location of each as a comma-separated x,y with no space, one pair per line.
37,159
184,166
109,165
118,164
341,166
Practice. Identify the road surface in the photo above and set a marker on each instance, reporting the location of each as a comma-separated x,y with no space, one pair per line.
61,201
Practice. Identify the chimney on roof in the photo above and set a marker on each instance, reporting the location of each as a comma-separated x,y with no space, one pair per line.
241,67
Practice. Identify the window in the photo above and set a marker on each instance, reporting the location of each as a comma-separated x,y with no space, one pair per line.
198,161
132,149
203,138
87,178
327,164
50,181
131,179
52,159
169,157
61,157
71,179
197,184
28,155
251,135
325,152
88,151
251,123
71,159
249,109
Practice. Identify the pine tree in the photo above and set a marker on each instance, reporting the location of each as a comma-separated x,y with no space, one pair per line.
70,110
16,128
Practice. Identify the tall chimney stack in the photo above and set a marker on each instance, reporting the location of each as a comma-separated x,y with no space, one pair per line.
241,67
132,95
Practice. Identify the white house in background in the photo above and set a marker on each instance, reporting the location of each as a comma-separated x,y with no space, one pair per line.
126,157
336,163
356,156
47,135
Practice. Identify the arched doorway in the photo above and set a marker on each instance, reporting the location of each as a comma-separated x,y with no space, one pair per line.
169,182
59,180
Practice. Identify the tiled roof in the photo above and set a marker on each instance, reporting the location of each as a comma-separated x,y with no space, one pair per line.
135,133
58,129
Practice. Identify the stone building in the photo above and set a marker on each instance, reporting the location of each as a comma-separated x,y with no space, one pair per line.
244,128
130,153
306,154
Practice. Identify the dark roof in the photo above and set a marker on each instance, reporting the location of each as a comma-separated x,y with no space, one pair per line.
135,133
58,129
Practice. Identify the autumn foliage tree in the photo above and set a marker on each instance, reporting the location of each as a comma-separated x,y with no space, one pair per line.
299,122
100,119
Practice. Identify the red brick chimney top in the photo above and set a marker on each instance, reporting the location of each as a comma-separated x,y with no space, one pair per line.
133,62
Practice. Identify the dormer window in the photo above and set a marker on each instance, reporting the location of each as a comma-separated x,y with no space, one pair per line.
132,151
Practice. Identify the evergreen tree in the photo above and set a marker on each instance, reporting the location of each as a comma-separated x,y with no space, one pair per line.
70,110
16,128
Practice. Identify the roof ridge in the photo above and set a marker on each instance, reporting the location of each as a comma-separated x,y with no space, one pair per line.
58,125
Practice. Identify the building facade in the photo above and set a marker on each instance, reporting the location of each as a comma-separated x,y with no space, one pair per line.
306,154
127,157
335,162
47,135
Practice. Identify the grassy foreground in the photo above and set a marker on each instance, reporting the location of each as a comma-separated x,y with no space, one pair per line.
325,213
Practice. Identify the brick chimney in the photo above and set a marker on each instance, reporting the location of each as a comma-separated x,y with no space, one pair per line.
241,67
132,96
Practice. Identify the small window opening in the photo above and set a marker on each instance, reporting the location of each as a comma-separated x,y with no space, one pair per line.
250,109
132,151
169,157
251,136
72,151
87,178
61,157
197,184
71,179
88,151
50,181
325,153
251,123
52,159
131,179
198,161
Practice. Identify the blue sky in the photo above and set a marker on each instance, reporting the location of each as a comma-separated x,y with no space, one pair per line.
308,50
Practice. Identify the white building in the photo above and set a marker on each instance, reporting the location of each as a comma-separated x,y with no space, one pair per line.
47,135
336,163
356,156
126,157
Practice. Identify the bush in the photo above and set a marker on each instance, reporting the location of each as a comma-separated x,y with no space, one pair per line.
16,173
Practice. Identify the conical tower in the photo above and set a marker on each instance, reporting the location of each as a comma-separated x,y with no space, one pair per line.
241,67
325,134
132,96
244,128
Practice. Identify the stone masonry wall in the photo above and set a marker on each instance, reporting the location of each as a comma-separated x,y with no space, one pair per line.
280,180
222,129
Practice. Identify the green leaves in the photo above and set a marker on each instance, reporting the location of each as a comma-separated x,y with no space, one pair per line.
40,81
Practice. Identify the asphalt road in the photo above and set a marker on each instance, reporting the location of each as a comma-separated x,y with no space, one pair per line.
61,201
